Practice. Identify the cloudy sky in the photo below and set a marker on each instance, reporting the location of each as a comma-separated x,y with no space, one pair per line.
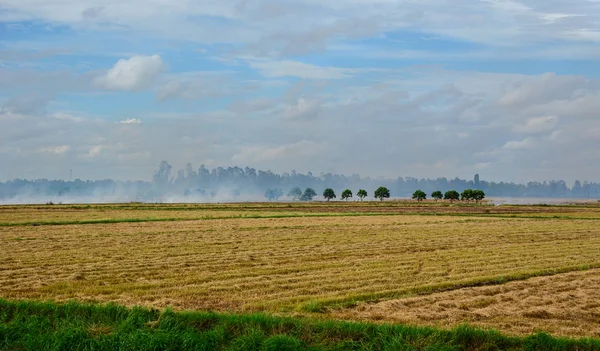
425,88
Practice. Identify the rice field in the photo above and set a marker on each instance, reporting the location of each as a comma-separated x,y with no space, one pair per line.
564,304
355,261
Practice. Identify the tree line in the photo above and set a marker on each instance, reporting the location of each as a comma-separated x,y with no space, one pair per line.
452,195
381,193
241,183
308,194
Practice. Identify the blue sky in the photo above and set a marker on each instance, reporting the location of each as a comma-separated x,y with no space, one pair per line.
507,89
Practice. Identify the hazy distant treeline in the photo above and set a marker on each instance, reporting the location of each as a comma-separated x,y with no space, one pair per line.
248,184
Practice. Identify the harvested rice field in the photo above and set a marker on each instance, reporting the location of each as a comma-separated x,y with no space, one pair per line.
564,304
517,269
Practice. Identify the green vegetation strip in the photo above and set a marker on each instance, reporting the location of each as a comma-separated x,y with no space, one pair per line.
290,215
74,326
320,306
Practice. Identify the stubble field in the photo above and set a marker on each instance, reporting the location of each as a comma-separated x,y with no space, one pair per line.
517,269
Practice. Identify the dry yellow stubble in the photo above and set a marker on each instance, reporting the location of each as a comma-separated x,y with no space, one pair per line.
565,304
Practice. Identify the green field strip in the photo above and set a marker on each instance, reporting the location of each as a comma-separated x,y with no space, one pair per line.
29,325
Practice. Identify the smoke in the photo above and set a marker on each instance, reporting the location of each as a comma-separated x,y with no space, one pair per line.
498,201
235,184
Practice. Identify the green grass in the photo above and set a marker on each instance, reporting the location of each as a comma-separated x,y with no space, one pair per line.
74,326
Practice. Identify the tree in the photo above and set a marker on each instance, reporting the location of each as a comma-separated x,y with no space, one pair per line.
273,194
162,177
362,194
437,195
419,195
295,193
308,195
478,195
451,195
346,194
329,194
466,195
382,193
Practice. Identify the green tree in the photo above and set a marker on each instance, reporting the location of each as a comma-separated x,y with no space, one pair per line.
382,193
295,193
466,195
308,194
437,195
273,194
362,194
329,194
346,194
419,195
451,195
478,195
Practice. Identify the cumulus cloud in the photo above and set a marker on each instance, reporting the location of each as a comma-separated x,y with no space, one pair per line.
135,73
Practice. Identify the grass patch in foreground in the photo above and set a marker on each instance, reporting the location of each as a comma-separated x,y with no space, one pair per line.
74,326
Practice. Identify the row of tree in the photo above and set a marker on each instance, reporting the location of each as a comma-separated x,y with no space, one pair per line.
309,193
452,195
381,193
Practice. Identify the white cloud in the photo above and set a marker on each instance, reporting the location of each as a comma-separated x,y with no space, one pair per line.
555,17
537,125
57,150
288,68
297,26
542,88
135,73
257,153
66,117
130,121
509,6
302,110
95,150
526,143
584,34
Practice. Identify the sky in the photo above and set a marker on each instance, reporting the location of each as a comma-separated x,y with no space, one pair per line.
423,88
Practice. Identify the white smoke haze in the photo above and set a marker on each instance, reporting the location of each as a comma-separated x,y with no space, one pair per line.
236,184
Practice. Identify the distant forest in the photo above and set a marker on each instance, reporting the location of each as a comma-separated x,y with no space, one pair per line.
248,184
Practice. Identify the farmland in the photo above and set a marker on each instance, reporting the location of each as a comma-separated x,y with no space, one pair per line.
369,262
